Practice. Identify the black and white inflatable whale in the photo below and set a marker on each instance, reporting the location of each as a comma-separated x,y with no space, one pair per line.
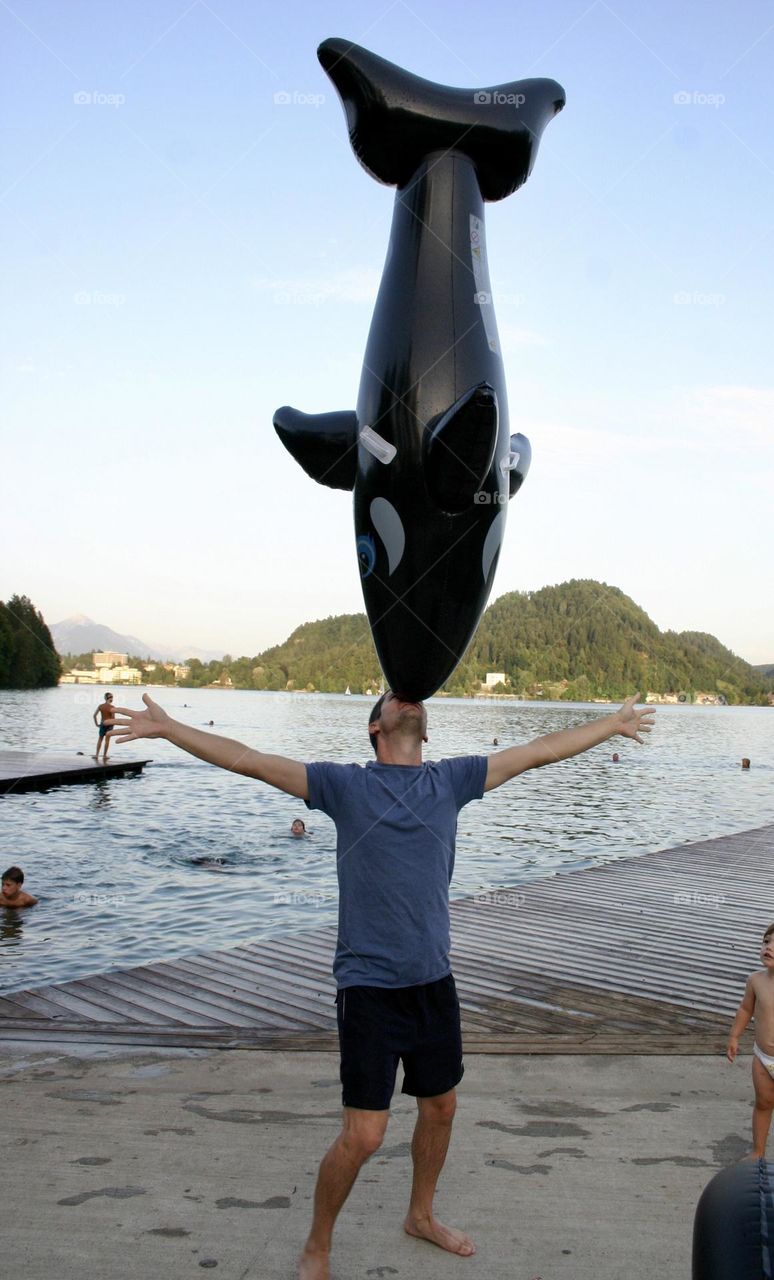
428,451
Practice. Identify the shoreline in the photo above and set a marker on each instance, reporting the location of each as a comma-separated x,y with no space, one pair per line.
700,699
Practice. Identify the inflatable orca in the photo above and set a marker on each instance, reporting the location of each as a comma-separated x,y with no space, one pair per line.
428,452
733,1231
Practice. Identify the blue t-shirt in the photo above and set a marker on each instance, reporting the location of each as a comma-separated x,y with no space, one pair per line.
395,828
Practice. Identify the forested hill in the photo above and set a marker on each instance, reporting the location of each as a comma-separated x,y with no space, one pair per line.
582,639
28,659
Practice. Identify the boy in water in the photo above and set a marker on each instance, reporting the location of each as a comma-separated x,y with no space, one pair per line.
12,894
106,710
758,1002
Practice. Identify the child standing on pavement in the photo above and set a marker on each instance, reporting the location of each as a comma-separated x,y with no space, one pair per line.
758,1003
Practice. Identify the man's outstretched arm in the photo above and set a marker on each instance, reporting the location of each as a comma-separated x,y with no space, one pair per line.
279,771
627,721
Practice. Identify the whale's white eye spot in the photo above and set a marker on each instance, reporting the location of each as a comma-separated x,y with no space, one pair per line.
389,526
492,543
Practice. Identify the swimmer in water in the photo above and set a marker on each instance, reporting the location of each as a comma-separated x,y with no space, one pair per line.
297,827
12,893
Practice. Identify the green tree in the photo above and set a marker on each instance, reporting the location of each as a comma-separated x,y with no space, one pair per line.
28,659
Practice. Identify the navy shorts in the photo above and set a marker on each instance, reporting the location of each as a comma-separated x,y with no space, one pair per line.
380,1026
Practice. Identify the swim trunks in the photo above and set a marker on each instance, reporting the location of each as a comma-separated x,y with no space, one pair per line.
766,1059
379,1026
104,728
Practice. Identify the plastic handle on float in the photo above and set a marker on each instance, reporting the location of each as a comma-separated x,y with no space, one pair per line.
510,462
377,445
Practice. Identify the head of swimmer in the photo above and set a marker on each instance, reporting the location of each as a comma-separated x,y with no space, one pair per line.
297,827
767,948
13,879
397,728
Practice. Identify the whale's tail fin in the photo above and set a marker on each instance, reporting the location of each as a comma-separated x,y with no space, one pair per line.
396,119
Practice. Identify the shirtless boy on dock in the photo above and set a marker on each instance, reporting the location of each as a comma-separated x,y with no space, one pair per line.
758,1003
106,710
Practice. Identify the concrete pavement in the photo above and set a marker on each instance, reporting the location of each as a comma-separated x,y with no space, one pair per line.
164,1164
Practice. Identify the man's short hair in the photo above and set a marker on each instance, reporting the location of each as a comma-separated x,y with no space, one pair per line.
769,933
14,873
375,715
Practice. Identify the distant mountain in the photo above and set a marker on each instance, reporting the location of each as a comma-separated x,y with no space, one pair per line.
80,634
766,669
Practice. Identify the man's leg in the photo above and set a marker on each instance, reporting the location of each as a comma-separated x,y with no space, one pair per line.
428,1152
361,1136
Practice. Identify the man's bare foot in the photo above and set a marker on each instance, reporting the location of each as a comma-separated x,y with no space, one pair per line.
754,1155
313,1266
445,1237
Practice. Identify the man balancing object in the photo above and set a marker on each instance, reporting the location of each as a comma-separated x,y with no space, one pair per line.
396,823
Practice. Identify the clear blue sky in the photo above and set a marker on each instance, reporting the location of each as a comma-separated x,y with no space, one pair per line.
183,254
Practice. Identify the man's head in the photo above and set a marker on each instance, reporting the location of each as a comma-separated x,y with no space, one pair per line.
108,697
393,719
13,879
297,827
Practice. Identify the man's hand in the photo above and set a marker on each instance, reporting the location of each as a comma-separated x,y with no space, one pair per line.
631,723
153,723
553,747
278,771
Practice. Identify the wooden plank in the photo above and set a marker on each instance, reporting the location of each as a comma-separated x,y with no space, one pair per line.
241,1038
290,1011
290,992
60,1004
135,986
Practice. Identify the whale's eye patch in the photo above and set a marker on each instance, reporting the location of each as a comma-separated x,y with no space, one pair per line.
366,554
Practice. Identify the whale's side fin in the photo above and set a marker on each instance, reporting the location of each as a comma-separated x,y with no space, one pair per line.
395,119
517,463
459,448
325,444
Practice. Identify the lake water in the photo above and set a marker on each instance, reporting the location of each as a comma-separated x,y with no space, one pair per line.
113,862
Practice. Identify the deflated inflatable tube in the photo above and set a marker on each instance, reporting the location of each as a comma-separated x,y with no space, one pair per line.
733,1231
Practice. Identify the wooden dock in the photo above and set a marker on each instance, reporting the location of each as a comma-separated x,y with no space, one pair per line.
646,956
36,770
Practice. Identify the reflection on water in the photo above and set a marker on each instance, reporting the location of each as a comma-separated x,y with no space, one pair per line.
10,926
185,857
